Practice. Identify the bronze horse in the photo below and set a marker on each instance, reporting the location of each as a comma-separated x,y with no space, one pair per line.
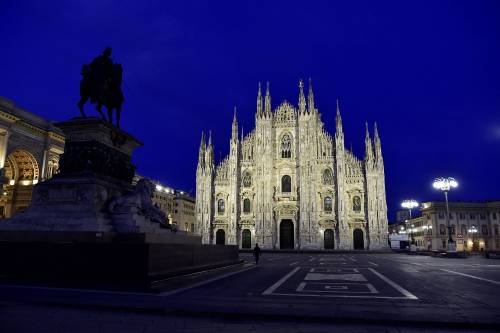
101,84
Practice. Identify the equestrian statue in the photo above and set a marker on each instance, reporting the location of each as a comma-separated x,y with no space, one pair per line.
101,84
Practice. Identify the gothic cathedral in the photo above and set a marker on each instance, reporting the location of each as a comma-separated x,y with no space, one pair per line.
289,184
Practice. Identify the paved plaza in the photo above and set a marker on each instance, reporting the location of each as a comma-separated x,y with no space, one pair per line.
286,292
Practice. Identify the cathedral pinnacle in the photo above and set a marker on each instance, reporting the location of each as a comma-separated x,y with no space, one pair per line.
338,119
302,99
234,133
259,102
310,97
268,101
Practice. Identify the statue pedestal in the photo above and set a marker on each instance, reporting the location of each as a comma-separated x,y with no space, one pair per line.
95,168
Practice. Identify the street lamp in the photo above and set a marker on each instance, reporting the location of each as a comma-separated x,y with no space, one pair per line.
472,230
410,204
445,185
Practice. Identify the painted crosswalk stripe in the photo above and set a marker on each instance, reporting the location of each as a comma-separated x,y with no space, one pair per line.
394,285
472,276
275,286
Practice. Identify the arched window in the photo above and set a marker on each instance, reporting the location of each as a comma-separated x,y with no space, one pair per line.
286,184
221,207
328,204
246,206
356,204
286,146
327,177
247,179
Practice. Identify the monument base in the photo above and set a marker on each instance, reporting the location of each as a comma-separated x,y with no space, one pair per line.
116,265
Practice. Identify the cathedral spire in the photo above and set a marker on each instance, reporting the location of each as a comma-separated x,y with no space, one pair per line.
338,120
302,99
209,155
201,152
234,133
259,102
268,101
368,145
376,143
310,97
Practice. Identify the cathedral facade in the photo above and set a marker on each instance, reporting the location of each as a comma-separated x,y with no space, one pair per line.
289,184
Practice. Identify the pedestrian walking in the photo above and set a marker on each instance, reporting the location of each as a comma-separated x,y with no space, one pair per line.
256,253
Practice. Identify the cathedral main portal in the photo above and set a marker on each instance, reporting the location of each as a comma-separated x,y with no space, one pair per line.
286,234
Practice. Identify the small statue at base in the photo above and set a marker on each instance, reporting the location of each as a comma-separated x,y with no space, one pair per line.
140,198
101,83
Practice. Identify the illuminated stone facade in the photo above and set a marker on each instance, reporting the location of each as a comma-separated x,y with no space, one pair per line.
30,147
290,184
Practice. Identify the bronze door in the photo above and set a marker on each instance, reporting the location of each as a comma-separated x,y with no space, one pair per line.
329,239
246,239
286,234
359,242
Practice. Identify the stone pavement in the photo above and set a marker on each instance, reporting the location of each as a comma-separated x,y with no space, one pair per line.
24,318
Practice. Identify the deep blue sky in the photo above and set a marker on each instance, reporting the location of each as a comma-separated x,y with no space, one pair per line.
427,71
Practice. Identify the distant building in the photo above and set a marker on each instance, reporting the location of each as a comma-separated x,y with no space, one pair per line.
430,231
178,206
184,211
30,148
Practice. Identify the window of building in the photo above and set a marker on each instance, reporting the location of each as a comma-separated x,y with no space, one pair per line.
482,216
221,207
356,204
441,215
495,229
286,146
286,184
246,206
494,216
452,229
450,216
463,229
328,204
462,216
442,229
327,177
247,179
472,216
484,229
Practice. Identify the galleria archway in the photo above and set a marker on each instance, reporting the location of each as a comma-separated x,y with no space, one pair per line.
22,172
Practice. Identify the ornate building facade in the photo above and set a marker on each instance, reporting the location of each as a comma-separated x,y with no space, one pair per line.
30,148
289,184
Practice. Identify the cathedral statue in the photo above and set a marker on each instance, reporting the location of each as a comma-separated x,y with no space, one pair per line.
101,84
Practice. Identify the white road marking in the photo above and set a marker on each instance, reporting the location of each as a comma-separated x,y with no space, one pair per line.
345,277
294,263
338,288
275,286
372,263
334,270
201,283
472,276
394,285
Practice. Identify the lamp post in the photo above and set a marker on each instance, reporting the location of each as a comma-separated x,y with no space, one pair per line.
472,230
410,204
445,185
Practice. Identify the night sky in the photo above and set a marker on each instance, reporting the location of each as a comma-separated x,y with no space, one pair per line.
427,71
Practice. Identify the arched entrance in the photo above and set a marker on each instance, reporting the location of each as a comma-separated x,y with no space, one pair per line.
220,237
286,234
246,239
358,239
21,170
329,239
